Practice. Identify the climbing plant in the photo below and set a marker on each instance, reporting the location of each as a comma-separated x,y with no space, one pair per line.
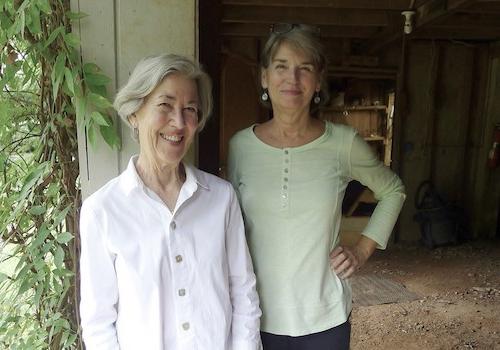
46,91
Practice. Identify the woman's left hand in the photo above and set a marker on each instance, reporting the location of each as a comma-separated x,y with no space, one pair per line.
346,260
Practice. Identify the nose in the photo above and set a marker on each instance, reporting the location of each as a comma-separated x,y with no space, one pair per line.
293,74
177,118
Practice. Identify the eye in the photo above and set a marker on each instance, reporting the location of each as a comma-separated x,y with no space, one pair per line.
165,105
191,110
280,67
307,68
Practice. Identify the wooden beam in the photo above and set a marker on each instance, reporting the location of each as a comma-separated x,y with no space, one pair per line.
398,5
463,20
262,30
318,16
429,12
482,7
437,33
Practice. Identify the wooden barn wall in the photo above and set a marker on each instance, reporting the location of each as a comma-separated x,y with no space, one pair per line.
443,127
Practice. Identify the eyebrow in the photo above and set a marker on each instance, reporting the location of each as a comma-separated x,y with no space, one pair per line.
173,98
280,60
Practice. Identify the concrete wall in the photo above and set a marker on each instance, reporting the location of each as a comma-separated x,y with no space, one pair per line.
115,35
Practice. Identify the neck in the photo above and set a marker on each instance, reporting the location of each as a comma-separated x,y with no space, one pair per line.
290,126
166,181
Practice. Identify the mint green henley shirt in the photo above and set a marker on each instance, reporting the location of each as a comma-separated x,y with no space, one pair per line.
291,200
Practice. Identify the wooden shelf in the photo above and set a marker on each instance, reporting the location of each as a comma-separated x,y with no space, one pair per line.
374,138
355,108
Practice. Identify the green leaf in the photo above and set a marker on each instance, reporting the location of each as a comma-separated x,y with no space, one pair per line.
80,104
72,40
44,6
59,257
97,79
69,80
76,15
57,74
59,217
34,25
91,68
3,277
91,135
99,119
99,101
33,177
59,30
25,285
64,237
111,137
37,210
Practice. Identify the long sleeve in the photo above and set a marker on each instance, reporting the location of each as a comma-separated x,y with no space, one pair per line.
242,283
232,157
387,187
99,292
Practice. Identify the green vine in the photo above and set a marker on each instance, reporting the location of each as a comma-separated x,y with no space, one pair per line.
46,91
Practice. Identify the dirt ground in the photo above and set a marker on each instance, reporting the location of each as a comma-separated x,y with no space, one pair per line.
459,306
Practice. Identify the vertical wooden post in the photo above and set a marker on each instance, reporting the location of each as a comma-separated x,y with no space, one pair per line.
210,43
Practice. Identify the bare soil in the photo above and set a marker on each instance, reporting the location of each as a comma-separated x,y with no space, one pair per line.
459,306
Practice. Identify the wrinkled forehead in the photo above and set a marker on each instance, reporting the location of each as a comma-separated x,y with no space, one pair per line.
295,47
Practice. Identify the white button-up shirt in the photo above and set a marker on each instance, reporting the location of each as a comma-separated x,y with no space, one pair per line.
153,279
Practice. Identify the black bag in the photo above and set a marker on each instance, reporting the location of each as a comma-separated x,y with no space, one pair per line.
440,223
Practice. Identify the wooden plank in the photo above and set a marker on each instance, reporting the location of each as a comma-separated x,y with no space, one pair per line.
263,29
468,20
398,5
429,12
317,16
436,33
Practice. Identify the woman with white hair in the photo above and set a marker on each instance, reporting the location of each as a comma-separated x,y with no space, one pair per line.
164,261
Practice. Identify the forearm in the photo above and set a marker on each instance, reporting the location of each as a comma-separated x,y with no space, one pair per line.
364,248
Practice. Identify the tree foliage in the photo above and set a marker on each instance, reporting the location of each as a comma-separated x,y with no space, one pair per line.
46,91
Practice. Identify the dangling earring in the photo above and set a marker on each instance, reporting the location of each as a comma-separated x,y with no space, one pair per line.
265,95
136,132
317,98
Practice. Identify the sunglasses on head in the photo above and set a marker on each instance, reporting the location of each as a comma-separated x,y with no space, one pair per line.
282,28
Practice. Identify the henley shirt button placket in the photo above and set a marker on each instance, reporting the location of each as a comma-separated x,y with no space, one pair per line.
284,185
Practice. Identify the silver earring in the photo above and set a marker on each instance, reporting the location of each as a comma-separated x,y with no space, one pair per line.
317,98
136,132
265,96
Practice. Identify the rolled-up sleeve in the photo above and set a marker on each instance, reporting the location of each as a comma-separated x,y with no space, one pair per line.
386,185
99,292
242,283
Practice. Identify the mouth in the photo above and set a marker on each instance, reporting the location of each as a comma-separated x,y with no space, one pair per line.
171,138
291,92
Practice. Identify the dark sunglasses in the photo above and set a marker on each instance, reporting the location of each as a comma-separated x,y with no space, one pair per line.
282,28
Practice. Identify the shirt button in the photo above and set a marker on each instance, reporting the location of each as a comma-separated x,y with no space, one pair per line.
178,258
285,179
173,225
286,151
182,292
286,170
185,326
285,187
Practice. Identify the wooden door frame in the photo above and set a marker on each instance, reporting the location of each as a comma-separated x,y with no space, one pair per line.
210,42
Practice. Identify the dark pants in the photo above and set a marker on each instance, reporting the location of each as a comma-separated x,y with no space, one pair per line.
336,338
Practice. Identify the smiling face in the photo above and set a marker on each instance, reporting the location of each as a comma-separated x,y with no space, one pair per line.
167,121
291,79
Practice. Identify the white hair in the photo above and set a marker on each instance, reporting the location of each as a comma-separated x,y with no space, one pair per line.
150,72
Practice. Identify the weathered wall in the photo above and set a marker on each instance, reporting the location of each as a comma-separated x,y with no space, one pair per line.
443,128
115,35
